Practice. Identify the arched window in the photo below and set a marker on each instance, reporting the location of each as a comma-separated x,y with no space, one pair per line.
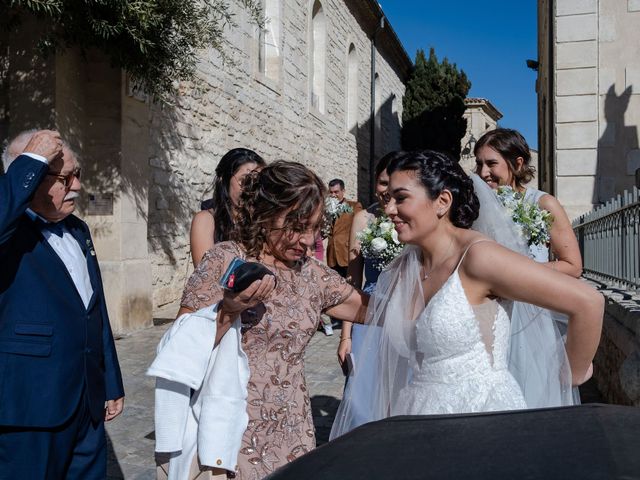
352,89
394,109
318,56
269,54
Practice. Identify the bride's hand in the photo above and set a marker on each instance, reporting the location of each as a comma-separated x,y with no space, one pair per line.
344,349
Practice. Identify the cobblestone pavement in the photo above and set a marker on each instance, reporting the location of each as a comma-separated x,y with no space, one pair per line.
131,436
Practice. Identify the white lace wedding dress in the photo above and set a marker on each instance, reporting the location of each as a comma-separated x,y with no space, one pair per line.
461,358
449,356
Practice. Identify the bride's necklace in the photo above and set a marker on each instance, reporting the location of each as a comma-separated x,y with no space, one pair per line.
426,274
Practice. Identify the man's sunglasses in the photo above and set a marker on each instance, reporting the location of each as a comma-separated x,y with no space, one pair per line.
67,180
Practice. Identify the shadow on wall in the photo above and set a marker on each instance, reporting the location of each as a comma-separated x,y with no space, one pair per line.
172,200
127,147
387,121
387,138
614,171
27,92
140,165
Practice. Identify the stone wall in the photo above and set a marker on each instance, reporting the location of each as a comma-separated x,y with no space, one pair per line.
595,99
157,162
236,106
481,116
82,97
617,362
28,82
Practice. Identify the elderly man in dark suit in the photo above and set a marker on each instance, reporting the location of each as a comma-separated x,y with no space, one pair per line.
59,373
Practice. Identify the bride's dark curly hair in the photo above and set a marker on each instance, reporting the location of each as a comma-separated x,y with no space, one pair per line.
279,187
437,172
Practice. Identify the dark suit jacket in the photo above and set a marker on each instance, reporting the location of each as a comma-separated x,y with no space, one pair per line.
338,241
52,348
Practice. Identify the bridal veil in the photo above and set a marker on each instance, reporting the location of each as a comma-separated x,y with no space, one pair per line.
537,357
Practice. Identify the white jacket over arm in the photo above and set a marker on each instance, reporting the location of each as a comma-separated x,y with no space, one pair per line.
213,419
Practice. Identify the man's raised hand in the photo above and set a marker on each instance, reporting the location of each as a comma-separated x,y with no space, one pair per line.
46,143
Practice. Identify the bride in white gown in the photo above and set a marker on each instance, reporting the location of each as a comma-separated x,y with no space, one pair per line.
461,362
454,329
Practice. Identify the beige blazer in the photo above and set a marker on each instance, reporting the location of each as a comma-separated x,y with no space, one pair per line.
338,242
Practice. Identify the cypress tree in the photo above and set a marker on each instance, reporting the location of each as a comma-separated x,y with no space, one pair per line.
433,106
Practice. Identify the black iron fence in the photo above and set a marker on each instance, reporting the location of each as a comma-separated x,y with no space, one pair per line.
609,238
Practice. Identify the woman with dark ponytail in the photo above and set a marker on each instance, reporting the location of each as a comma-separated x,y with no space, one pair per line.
457,326
216,221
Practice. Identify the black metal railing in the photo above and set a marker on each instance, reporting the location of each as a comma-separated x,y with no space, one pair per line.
609,238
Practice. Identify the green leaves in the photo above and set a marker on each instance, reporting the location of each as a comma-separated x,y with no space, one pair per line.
47,7
433,105
155,41
532,221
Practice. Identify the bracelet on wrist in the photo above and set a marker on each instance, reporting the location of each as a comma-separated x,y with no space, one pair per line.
345,338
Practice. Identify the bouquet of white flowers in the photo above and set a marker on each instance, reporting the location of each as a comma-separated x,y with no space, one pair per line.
332,210
532,221
379,242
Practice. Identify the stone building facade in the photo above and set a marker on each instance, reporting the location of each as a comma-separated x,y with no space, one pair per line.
481,116
588,99
322,85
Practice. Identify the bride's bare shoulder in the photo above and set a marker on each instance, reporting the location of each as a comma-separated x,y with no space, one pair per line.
470,237
484,253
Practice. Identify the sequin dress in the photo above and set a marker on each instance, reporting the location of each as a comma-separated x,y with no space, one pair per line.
274,337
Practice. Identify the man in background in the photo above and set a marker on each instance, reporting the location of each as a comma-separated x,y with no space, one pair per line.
338,241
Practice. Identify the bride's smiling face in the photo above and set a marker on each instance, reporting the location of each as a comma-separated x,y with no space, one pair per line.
410,209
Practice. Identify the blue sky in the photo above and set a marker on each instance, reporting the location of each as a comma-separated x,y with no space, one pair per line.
489,40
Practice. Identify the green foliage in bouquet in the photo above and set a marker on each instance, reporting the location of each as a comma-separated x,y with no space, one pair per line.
532,221
379,242
332,210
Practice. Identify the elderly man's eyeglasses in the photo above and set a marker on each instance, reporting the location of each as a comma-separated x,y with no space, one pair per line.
67,179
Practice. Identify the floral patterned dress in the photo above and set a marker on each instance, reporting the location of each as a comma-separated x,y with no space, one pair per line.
274,337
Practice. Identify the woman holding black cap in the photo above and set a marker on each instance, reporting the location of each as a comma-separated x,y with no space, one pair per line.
280,213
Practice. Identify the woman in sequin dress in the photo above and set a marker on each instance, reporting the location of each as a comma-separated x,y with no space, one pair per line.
280,214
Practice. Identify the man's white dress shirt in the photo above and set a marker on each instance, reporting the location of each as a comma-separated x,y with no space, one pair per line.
69,251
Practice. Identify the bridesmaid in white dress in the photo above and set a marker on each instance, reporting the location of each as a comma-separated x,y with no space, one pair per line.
503,158
442,309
